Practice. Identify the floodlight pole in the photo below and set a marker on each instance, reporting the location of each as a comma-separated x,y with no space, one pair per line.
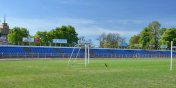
171,56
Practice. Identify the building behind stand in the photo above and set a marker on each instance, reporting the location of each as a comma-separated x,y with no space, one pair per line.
4,30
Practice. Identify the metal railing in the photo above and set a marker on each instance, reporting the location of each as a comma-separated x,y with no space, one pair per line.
81,55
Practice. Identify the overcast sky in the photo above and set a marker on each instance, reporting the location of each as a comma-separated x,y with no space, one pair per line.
89,17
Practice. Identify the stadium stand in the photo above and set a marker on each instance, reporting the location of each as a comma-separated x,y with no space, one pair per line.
65,52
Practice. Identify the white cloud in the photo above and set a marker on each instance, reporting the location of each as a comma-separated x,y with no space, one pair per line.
128,21
35,25
98,30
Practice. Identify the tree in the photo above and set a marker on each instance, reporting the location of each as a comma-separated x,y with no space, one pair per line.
102,39
110,40
161,31
145,37
16,35
43,37
168,36
150,35
72,36
66,32
155,29
63,32
134,40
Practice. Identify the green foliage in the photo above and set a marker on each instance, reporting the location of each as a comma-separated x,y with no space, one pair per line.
110,40
168,36
150,35
162,30
145,37
134,41
43,37
63,32
16,35
155,31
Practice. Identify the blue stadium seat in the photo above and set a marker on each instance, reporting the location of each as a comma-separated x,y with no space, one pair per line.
34,51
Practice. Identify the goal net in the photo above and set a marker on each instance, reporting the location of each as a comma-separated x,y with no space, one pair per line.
81,45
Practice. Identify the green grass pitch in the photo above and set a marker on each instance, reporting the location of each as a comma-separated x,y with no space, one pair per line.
123,73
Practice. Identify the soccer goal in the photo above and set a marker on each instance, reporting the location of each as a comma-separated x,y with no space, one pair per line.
76,52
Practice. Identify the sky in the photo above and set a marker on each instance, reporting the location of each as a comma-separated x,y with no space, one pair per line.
89,17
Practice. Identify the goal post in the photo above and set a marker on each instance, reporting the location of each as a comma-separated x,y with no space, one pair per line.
171,53
171,60
85,55
86,47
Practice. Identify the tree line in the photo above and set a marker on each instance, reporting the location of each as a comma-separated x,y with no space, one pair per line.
153,36
110,40
17,34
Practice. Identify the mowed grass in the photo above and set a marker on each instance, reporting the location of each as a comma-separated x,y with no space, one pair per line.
121,73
